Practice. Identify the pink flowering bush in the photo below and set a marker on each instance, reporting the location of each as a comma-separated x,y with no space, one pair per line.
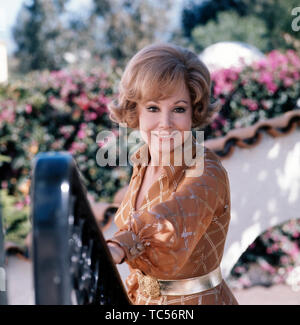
248,94
270,258
56,111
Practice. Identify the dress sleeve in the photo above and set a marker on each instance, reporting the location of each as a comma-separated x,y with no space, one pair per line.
161,239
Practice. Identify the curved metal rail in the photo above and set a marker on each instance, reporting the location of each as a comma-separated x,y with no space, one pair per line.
72,263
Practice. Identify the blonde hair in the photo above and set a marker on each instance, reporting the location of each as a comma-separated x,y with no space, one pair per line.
154,73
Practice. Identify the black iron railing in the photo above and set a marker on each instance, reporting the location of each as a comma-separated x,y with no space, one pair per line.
72,263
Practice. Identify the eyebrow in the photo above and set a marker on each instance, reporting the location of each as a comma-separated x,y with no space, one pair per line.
178,101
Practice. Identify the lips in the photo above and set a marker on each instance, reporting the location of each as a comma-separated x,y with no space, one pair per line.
165,137
165,134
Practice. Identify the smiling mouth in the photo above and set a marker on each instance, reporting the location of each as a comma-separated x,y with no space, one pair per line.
164,136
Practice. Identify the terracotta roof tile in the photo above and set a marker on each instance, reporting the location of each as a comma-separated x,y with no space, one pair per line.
248,137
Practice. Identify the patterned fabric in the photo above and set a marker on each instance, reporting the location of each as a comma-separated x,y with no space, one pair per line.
180,229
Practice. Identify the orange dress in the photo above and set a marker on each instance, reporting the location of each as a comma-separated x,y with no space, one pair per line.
180,230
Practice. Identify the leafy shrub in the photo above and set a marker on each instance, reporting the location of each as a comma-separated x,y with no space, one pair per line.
54,111
231,27
16,223
57,111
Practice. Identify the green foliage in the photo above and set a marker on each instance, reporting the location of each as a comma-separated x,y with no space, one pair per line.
16,223
231,27
127,26
278,19
273,18
197,13
4,159
50,37
40,35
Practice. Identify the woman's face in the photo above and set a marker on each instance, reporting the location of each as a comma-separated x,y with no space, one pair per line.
162,124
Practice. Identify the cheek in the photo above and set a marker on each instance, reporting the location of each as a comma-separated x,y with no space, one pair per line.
183,122
146,125
184,125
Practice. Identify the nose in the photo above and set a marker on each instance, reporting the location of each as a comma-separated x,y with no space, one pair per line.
165,122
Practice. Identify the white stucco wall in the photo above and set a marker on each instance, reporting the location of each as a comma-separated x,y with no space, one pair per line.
265,191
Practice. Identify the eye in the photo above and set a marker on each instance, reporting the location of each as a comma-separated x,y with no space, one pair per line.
152,108
177,109
180,109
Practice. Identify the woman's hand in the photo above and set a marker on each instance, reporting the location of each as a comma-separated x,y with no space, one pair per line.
117,252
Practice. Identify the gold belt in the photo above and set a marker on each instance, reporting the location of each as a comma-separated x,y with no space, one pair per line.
156,287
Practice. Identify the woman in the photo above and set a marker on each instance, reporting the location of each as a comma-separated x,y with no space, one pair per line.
174,217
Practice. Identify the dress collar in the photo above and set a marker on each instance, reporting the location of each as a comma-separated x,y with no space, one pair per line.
185,157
